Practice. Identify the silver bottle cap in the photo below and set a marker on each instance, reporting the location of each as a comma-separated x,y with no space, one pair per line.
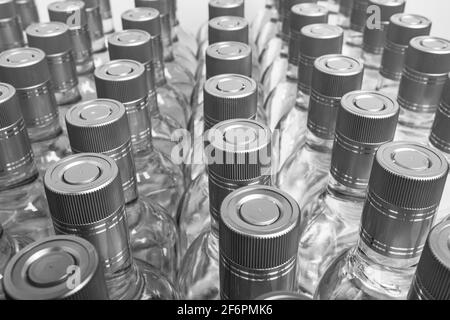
72,13
358,17
375,37
51,37
432,280
219,8
403,27
11,35
121,80
163,6
285,14
405,190
258,238
56,268
228,28
345,7
333,77
27,11
316,40
7,9
147,19
15,148
228,57
95,22
229,96
366,121
440,134
282,295
105,9
426,67
131,44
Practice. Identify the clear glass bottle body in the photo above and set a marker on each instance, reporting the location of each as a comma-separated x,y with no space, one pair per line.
331,225
353,41
372,63
362,274
414,126
273,63
388,86
181,36
267,32
259,30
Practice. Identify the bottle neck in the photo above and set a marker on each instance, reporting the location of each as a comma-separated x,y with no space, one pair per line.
322,147
138,114
158,62
344,193
292,73
167,39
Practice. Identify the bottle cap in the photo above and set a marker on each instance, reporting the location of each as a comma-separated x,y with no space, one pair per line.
72,13
432,280
440,135
7,9
228,57
259,236
334,76
402,29
405,190
131,44
51,37
285,15
345,7
366,121
358,17
228,28
147,19
27,11
219,8
46,270
229,96
162,6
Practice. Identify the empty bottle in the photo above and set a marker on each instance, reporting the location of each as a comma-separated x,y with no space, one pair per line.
402,29
240,156
11,35
227,97
107,17
288,104
101,126
405,188
27,70
366,121
170,90
305,172
353,37
23,207
344,14
258,239
379,13
426,68
181,37
95,27
27,11
432,279
56,268
86,200
158,178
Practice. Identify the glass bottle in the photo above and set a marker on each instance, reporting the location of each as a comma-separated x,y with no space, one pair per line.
27,11
426,69
345,11
397,217
262,223
180,66
305,173
171,100
353,37
263,18
107,17
374,36
440,140
366,121
158,178
54,39
290,121
37,101
432,279
86,199
43,271
181,37
11,35
65,12
227,97
95,27
153,233
269,30
238,156
333,10
402,29
23,207
280,58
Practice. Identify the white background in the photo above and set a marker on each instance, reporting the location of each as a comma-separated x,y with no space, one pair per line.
193,13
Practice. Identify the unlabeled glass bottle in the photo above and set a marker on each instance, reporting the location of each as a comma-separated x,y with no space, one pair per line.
272,28
263,18
259,229
288,105
432,279
27,70
27,11
95,27
345,11
426,70
11,35
240,157
170,94
227,97
353,37
107,17
305,173
279,61
54,39
158,178
402,29
405,188
366,121
440,139
374,37
73,13
153,233
23,207
86,199
181,38
45,270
